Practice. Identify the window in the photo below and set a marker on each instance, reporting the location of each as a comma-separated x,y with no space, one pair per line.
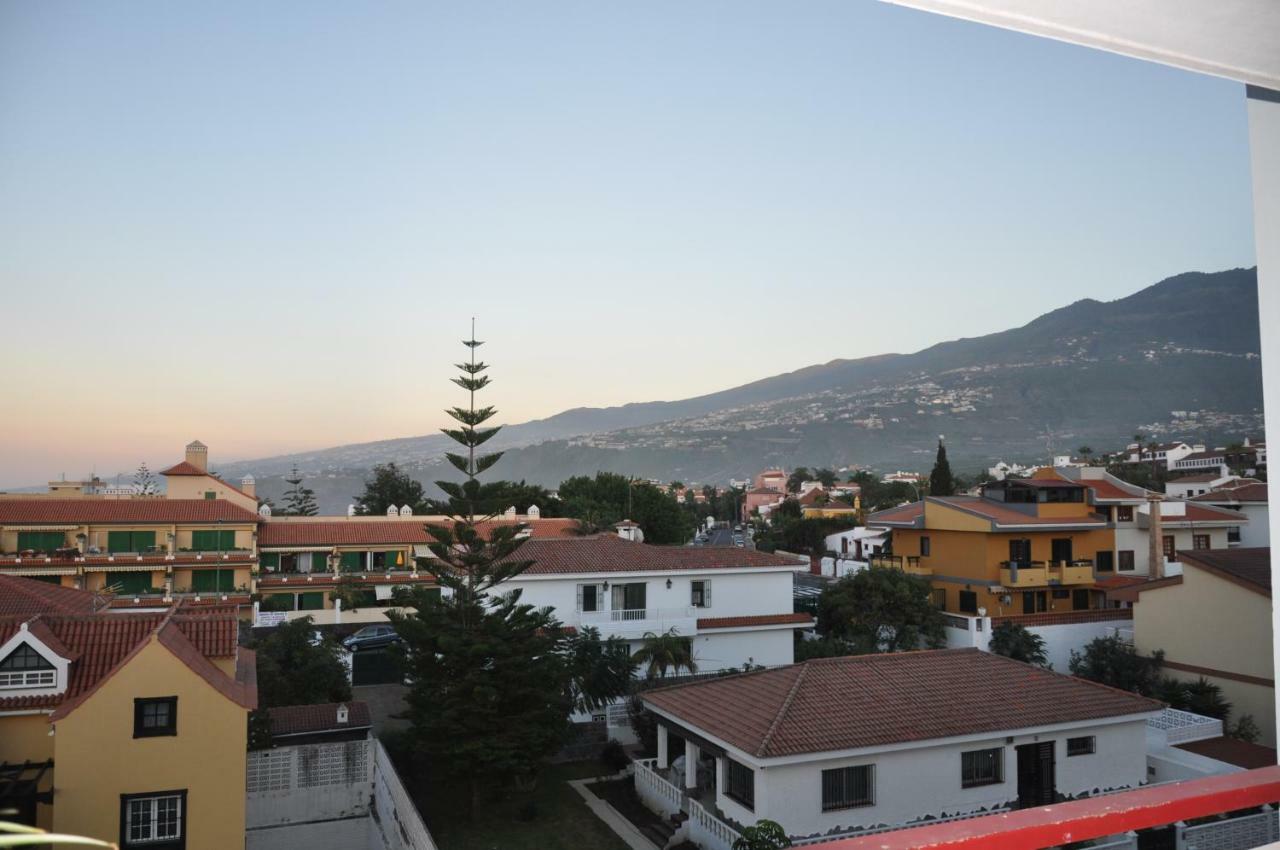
1126,560
1105,561
1061,593
1020,552
1080,600
848,787
1034,602
352,562
589,597
41,541
26,668
1200,541
968,602
940,598
740,782
213,541
209,494
924,547
1124,513
155,717
1169,551
629,600
1233,534
153,820
130,541
1060,550
213,581
1083,746
700,594
981,767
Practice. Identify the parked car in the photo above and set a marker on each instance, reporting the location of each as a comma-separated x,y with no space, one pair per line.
371,637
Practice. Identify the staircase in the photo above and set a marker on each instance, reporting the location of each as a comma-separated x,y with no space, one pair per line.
660,832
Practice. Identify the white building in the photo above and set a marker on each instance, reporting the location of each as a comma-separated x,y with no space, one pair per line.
1165,453
842,744
1197,485
734,604
1249,498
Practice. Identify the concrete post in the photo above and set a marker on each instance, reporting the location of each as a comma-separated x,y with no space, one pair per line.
1180,836
337,612
664,760
690,765
1156,541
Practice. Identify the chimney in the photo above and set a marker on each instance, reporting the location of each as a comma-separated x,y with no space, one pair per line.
342,715
351,510
250,486
509,513
1156,542
198,455
534,512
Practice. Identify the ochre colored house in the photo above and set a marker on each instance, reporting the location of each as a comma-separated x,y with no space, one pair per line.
128,728
1022,546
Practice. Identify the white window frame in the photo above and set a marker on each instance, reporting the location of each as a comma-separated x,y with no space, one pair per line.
34,682
150,810
602,597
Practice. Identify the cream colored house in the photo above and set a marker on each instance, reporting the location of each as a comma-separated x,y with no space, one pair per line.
1214,621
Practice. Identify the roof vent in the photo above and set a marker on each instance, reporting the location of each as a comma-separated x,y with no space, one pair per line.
510,513
342,714
534,512
392,510
264,510
405,510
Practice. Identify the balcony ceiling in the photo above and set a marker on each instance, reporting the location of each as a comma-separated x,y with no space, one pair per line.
1236,39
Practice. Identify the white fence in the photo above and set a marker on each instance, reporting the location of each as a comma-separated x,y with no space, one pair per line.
306,783
708,831
394,814
1233,834
656,792
1182,727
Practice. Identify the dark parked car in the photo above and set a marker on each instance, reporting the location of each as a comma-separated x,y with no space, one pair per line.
371,637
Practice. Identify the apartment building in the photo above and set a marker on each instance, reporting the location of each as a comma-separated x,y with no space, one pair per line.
1249,499
126,728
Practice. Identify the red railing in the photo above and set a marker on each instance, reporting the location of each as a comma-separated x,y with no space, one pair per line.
1081,820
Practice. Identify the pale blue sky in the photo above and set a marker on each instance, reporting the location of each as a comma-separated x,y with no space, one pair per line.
266,225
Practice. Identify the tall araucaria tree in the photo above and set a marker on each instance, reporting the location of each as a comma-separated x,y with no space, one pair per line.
298,500
494,680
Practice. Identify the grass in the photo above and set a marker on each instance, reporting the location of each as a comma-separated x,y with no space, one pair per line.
561,819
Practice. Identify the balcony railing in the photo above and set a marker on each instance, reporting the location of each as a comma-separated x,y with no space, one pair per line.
1041,573
633,622
907,563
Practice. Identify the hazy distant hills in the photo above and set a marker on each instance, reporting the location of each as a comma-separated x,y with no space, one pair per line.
1180,356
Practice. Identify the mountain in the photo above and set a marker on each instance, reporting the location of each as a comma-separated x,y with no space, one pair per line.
1177,358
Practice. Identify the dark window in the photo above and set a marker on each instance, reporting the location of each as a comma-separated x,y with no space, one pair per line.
1169,552
968,602
1199,541
41,541
156,821
1020,552
1061,593
1105,561
981,767
630,597
1233,534
1080,746
741,783
940,598
1080,600
1034,601
155,717
1060,549
588,597
1124,513
1126,560
700,594
924,546
209,494
848,787
213,541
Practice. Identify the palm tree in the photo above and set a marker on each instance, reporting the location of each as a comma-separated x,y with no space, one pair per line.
665,652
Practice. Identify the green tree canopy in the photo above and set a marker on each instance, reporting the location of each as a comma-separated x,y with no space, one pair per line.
941,482
391,486
662,653
765,835
1013,640
1113,662
881,610
298,500
607,498
292,670
797,477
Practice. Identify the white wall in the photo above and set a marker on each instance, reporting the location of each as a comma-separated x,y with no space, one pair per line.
720,650
349,834
1257,531
911,784
307,783
1060,640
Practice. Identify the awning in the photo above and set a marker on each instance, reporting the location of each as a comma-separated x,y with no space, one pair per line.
128,568
422,550
40,527
285,550
42,571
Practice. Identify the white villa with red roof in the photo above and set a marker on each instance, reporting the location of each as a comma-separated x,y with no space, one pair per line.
864,742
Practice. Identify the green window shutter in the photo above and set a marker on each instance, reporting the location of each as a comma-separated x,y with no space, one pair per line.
310,601
226,580
391,559
143,540
204,581
209,494
203,541
352,562
119,541
43,541
270,559
131,582
226,540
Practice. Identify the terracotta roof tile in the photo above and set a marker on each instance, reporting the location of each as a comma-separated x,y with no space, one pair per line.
1004,516
1232,751
1251,492
184,468
383,532
25,597
79,511
903,514
1248,566
877,700
306,719
610,553
756,620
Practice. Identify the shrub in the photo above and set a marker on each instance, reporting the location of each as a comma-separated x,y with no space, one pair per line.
614,756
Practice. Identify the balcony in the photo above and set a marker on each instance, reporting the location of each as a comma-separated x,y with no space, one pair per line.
635,623
1043,573
907,563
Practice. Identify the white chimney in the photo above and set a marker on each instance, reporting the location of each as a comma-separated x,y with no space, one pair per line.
342,714
392,511
405,510
509,513
351,510
534,512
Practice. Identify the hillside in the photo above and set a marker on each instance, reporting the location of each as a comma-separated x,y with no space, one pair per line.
1088,373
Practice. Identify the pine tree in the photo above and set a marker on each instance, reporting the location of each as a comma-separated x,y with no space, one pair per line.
494,679
298,500
144,483
941,482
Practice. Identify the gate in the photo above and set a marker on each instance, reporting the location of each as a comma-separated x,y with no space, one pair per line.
375,667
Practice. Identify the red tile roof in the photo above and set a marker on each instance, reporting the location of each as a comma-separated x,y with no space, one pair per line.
100,643
757,620
610,553
901,515
878,700
25,597
1252,492
184,468
308,719
384,532
133,511
1250,567
1108,491
1200,513
1003,516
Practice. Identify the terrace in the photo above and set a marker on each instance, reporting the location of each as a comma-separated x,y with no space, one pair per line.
907,563
1017,574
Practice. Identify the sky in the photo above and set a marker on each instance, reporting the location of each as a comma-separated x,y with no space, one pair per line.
268,225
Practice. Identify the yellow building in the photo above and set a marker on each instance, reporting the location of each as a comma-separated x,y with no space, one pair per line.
126,728
148,552
191,479
1021,547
